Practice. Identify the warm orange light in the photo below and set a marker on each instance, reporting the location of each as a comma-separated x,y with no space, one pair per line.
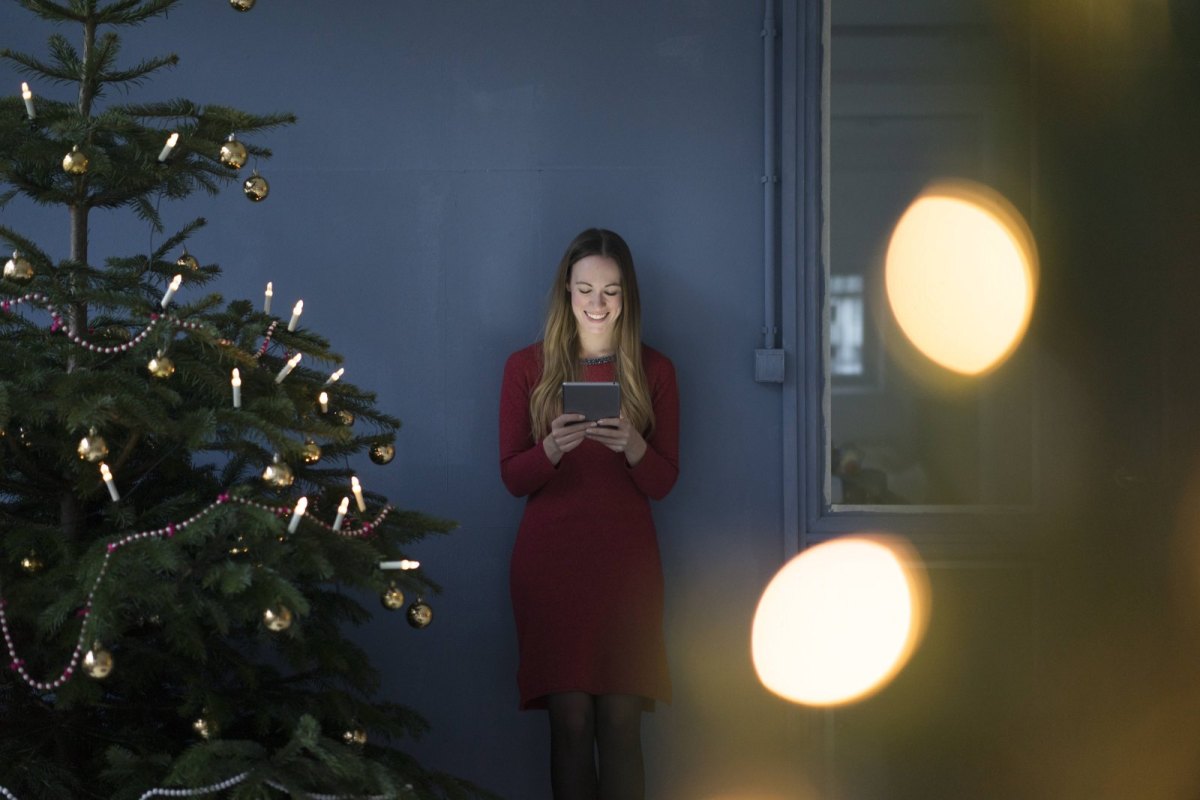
961,276
838,621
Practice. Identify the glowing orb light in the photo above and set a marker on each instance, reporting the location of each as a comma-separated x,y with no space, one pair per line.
961,276
838,621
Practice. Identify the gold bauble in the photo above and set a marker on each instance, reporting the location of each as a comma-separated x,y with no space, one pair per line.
278,618
31,563
345,417
383,453
233,153
18,268
392,598
278,474
75,162
161,367
311,452
92,447
256,188
420,614
241,5
355,736
187,261
98,662
205,727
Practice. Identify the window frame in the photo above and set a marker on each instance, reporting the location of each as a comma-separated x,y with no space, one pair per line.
807,389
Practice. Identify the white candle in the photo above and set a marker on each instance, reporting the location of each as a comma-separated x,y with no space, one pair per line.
301,505
171,290
337,374
287,368
267,299
237,388
356,487
343,507
296,312
323,399
172,140
401,564
28,96
108,481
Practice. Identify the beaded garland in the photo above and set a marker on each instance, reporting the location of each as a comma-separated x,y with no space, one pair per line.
18,665
229,783
57,324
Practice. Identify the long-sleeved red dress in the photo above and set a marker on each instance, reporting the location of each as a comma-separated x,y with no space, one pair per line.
586,576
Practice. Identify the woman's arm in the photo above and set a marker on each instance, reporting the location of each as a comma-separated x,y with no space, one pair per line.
524,465
655,473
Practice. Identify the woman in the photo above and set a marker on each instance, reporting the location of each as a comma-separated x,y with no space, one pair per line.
586,578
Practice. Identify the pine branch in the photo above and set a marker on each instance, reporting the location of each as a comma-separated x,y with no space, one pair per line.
133,12
28,65
55,12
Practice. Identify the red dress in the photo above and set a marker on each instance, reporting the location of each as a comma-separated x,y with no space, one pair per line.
586,577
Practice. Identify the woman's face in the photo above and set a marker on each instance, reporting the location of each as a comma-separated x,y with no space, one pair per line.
595,284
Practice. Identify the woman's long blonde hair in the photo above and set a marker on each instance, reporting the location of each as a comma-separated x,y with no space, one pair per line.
560,340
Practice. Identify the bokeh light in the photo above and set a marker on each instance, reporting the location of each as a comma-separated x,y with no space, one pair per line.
961,276
838,621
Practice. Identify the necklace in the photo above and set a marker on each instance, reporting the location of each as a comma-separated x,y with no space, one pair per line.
591,362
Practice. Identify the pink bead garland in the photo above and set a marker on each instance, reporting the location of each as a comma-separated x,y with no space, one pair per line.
18,665
56,325
229,783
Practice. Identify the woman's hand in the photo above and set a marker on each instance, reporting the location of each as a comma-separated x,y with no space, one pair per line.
566,433
620,437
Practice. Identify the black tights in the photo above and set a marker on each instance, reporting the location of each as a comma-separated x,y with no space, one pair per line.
587,728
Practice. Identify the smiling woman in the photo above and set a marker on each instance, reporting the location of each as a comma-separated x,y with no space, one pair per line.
586,577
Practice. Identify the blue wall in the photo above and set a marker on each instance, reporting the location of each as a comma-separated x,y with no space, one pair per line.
445,155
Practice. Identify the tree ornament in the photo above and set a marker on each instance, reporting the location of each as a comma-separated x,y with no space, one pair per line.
278,618
242,5
233,153
392,598
92,447
18,268
75,162
278,473
356,736
256,188
205,727
383,453
420,614
98,662
187,261
160,366
31,564
344,417
311,452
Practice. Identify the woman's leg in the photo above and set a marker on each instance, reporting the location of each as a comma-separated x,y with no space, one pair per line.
572,746
619,741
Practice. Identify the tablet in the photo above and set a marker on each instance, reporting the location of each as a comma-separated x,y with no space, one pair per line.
593,400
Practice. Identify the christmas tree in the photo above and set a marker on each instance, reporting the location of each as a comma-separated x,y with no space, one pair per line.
183,539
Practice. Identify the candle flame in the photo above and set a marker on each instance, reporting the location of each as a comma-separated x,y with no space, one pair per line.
25,91
104,473
237,377
344,506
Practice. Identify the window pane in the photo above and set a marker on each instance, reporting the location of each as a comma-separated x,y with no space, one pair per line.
919,91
